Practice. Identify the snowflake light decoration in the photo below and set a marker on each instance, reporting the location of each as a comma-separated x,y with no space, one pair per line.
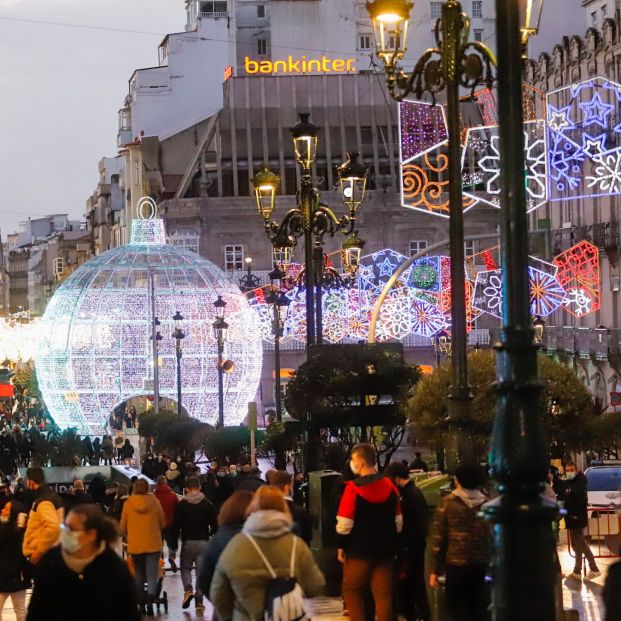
427,319
95,350
481,155
395,320
376,269
579,275
546,294
584,158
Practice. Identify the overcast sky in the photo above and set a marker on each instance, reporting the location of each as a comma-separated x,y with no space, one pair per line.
62,88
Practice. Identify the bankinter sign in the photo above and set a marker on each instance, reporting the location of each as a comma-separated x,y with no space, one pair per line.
300,65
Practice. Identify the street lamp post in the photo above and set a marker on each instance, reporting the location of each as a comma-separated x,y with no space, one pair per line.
178,334
455,62
220,328
311,220
280,304
248,281
519,454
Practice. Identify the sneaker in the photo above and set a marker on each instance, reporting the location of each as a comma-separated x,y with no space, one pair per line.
200,608
574,576
149,610
188,596
173,565
594,573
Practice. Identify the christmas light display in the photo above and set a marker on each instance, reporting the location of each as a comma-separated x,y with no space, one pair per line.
481,154
420,301
584,156
19,341
96,350
578,274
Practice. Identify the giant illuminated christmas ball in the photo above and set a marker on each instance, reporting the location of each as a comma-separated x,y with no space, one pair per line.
96,348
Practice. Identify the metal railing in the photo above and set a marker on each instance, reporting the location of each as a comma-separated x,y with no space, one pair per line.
604,235
599,343
214,14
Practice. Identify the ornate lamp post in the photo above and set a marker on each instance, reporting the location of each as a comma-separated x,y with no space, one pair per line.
311,219
280,305
249,281
453,63
178,334
220,328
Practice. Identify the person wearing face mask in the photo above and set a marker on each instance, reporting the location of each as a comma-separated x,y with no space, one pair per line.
368,522
195,521
576,519
225,486
84,578
13,565
45,518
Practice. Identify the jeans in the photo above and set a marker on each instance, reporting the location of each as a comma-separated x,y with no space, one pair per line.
360,573
581,547
413,588
19,604
466,593
192,552
147,569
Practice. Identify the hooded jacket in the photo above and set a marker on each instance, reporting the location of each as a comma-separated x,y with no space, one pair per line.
142,521
13,566
239,586
195,518
575,500
369,505
168,499
460,537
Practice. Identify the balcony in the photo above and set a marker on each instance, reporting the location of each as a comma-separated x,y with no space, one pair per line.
604,235
596,343
214,14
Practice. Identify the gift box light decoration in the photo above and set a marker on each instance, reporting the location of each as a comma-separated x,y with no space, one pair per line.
96,350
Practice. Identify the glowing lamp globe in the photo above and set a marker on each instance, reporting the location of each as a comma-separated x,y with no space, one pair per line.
96,344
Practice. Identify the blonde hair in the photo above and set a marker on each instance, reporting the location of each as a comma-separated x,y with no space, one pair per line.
268,498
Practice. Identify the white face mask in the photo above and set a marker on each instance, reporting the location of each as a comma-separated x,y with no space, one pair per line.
353,467
570,475
69,540
4,519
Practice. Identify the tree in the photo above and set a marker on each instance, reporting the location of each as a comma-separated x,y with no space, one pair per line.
230,444
173,434
352,385
567,407
25,382
279,440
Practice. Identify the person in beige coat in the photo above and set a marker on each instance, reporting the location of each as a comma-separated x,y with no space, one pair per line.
142,522
239,586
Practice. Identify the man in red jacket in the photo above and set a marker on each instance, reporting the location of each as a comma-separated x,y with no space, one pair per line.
168,499
368,522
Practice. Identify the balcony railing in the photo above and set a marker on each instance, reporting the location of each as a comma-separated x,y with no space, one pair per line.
604,235
214,14
599,343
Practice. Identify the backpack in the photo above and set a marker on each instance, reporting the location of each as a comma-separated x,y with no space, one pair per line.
285,599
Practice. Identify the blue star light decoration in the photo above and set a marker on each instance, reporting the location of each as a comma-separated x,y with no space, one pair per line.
583,157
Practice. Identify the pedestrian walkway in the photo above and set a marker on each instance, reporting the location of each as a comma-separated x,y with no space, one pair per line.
585,597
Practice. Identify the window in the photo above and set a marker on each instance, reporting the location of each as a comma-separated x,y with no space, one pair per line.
477,8
594,18
185,238
282,257
436,10
416,246
364,42
261,11
366,135
469,249
262,47
478,35
233,257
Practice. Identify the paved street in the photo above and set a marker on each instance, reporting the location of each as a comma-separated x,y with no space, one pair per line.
584,597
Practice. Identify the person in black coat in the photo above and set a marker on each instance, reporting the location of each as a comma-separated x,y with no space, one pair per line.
414,602
13,564
231,520
575,499
612,593
84,578
195,521
283,480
